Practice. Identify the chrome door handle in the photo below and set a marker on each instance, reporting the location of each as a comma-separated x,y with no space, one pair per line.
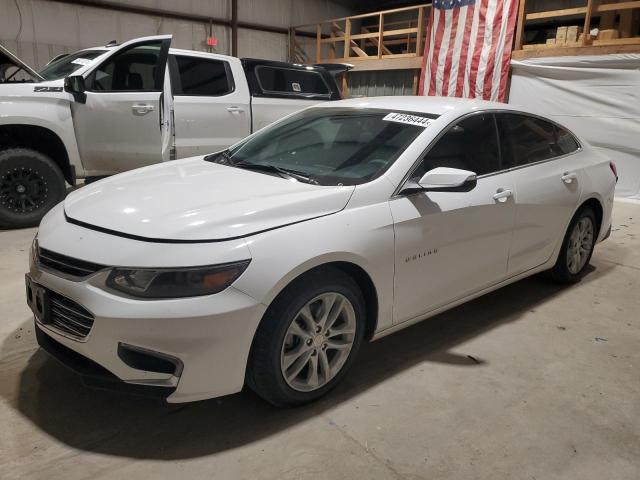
502,195
569,177
235,109
142,108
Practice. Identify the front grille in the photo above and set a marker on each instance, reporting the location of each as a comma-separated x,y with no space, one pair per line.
68,317
70,266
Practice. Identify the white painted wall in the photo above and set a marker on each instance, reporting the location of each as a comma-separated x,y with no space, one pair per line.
37,30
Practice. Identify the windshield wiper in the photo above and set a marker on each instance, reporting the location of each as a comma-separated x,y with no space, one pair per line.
222,157
284,172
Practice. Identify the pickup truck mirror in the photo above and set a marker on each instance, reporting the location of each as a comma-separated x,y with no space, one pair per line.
74,84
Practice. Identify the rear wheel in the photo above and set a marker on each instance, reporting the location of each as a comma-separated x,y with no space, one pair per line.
577,248
30,185
307,339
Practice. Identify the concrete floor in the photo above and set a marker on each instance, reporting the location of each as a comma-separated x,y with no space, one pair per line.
534,381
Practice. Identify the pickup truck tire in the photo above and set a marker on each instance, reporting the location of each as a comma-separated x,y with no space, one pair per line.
30,185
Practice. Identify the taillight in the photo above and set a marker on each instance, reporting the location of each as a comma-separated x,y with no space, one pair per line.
614,169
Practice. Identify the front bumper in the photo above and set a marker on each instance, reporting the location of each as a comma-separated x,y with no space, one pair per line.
210,337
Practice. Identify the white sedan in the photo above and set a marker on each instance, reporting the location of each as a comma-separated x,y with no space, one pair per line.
268,264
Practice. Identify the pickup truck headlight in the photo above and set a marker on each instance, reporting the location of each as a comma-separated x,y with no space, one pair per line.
175,282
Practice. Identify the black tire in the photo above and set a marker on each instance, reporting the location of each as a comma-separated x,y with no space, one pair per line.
264,374
30,185
560,272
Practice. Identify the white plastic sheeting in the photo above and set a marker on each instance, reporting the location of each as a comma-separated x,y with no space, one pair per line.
597,96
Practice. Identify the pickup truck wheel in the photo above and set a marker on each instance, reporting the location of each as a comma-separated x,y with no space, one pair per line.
30,185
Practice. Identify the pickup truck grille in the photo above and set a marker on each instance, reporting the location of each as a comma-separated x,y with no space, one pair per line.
70,266
68,316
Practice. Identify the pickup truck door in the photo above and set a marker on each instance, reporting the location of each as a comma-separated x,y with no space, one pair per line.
211,102
120,125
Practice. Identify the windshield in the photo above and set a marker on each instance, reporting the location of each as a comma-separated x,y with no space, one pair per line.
329,146
65,66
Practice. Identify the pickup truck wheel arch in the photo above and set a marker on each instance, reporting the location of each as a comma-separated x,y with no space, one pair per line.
40,139
30,185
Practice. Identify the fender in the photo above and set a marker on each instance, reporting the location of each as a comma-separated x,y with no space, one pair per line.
43,105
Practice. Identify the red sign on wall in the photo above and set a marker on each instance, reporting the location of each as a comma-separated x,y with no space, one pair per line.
212,41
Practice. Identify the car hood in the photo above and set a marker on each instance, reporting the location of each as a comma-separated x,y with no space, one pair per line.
8,58
194,200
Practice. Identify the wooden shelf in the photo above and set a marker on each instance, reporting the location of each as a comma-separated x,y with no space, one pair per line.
587,45
375,44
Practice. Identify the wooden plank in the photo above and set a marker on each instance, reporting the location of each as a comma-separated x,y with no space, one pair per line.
365,15
373,63
572,51
586,38
520,28
292,44
618,41
420,33
380,33
618,6
318,42
358,36
626,23
564,12
347,38
401,31
399,55
358,50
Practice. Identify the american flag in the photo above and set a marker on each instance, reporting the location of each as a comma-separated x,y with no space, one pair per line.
468,48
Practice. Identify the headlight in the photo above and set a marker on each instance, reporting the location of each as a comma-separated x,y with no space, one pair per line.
34,250
175,282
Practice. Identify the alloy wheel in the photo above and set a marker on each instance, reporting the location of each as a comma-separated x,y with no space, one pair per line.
23,190
318,342
580,245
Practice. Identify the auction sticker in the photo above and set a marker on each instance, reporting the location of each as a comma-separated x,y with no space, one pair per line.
408,119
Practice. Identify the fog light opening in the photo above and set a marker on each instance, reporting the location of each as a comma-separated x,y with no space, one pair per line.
149,360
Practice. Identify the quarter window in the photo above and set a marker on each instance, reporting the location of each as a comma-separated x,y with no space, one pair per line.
525,139
290,81
471,144
132,70
199,76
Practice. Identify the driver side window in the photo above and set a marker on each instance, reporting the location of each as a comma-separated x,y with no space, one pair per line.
132,70
471,144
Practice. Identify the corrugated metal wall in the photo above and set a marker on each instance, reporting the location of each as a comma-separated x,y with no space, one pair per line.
37,30
380,82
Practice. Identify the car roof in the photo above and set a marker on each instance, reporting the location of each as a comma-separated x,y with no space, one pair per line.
421,104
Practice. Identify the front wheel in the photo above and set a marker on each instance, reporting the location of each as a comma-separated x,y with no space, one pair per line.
30,185
307,339
577,248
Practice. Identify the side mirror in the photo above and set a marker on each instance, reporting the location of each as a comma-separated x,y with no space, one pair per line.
74,85
443,179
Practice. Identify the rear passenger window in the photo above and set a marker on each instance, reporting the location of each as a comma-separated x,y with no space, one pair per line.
200,76
290,81
566,141
525,139
471,144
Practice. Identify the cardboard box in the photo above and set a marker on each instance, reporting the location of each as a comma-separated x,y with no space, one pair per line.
608,34
561,35
573,33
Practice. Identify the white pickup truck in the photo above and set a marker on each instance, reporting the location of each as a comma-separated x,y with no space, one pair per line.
108,109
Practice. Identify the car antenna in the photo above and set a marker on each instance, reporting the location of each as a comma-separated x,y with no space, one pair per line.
112,43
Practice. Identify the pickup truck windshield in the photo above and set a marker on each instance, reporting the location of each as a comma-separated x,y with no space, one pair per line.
330,146
65,66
